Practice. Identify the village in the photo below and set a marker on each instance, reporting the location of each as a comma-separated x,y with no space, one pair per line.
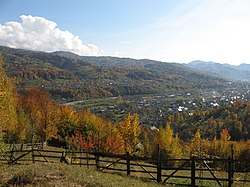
154,108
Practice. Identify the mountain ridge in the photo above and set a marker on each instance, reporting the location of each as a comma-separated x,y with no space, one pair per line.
74,77
226,71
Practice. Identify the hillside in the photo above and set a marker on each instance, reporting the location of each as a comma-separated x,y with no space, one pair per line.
63,175
226,71
74,77
234,117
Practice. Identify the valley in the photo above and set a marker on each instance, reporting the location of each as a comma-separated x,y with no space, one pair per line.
154,109
110,87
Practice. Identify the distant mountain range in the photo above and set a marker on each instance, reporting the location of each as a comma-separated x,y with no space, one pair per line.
74,77
226,71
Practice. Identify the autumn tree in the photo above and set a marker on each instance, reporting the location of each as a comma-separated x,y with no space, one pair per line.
67,124
84,128
43,114
82,142
218,147
242,149
91,128
129,130
8,103
196,144
168,142
164,137
114,143
93,132
22,131
224,143
146,139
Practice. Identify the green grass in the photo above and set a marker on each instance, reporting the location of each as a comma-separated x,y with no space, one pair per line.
47,174
61,174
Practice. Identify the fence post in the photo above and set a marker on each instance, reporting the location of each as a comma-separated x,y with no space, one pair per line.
32,141
231,167
229,172
193,171
33,155
97,157
159,165
97,161
71,156
62,157
80,157
12,155
128,164
233,163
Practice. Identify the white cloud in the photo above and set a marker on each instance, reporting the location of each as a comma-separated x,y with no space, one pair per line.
38,33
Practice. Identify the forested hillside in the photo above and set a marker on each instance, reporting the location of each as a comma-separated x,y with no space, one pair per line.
234,117
73,77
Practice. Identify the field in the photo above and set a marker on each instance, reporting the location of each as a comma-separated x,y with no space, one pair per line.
48,174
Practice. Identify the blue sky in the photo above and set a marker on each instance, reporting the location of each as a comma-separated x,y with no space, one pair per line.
166,30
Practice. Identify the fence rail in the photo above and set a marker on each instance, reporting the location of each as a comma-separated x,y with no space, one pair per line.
194,171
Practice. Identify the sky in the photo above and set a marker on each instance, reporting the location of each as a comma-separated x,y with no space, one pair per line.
166,30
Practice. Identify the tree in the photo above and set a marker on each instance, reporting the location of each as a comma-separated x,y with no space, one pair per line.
43,113
129,130
224,136
177,150
67,124
22,130
196,144
147,145
114,143
82,142
224,144
169,144
164,138
8,103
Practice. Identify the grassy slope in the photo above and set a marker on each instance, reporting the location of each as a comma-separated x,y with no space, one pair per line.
42,174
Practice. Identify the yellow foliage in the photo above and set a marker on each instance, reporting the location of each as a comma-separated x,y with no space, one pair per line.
196,144
129,130
8,102
169,144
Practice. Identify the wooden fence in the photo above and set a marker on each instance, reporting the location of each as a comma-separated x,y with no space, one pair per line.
191,172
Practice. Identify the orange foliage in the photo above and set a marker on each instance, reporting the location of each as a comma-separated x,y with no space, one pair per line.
42,111
114,144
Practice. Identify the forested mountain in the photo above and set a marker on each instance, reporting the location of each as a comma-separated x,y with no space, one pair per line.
226,71
73,77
